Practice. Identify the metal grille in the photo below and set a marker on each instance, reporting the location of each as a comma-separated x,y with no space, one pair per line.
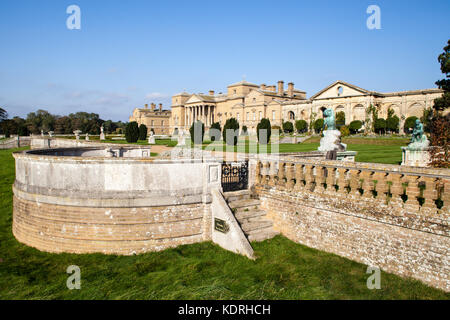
234,176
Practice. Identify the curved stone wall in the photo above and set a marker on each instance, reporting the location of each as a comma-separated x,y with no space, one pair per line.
88,203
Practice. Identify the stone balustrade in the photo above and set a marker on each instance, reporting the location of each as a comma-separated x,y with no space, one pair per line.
416,189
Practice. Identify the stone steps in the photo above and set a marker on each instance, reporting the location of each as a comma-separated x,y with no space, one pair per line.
250,216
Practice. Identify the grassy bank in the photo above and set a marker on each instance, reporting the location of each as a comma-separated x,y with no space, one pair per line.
284,270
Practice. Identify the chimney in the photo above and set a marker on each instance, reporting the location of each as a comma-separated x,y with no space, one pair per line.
153,106
146,106
280,87
290,89
262,86
160,107
211,92
271,88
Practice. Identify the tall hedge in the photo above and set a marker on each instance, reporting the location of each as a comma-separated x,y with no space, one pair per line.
231,137
380,125
215,134
142,132
132,132
264,124
197,132
354,126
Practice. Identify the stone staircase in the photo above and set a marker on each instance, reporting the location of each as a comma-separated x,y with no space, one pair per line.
250,216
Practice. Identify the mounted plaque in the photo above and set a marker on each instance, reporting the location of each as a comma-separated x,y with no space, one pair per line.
221,225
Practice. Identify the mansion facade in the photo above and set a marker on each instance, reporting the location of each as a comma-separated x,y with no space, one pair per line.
249,103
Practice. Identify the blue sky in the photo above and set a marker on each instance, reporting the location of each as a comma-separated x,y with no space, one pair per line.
129,53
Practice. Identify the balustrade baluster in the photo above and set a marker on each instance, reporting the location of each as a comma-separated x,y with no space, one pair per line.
382,187
354,183
299,177
430,192
367,184
342,181
289,176
309,177
412,191
331,179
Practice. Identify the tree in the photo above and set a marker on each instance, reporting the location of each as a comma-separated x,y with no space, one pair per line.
392,123
409,124
142,132
132,132
340,119
197,132
244,131
288,127
40,120
301,126
231,132
426,119
380,125
318,125
214,131
355,125
264,131
440,125
443,103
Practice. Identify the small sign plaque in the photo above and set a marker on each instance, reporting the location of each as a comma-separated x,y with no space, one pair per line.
221,225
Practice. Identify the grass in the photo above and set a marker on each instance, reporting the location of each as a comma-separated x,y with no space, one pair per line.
376,150
283,270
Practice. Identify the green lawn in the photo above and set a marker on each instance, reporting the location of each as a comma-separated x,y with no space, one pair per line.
284,270
369,150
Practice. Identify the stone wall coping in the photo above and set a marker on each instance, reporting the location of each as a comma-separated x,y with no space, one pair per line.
42,155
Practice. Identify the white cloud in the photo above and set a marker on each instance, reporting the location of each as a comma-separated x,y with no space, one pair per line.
156,95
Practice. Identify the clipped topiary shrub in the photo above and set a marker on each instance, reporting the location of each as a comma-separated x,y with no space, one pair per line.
354,126
244,131
409,124
264,131
142,132
231,132
318,125
392,123
345,131
214,131
288,127
197,132
380,125
132,132
301,126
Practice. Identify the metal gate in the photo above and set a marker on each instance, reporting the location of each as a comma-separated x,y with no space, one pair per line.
234,176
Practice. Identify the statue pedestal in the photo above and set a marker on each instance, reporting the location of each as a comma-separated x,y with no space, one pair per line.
102,136
415,158
181,140
331,141
151,140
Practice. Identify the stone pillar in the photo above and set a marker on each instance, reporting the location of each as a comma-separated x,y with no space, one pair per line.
289,176
320,179
281,174
396,188
354,183
367,184
342,181
331,180
381,186
298,177
309,177
430,193
412,191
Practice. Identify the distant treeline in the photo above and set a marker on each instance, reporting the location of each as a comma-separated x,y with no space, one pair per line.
43,120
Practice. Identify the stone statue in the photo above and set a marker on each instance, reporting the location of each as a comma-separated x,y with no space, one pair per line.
419,140
151,138
329,120
331,140
102,133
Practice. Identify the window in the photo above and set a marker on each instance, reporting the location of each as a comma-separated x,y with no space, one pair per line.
340,90
162,122
234,91
153,122
254,115
254,99
237,116
260,115
273,115
248,117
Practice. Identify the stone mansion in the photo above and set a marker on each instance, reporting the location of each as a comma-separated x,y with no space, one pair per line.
249,103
